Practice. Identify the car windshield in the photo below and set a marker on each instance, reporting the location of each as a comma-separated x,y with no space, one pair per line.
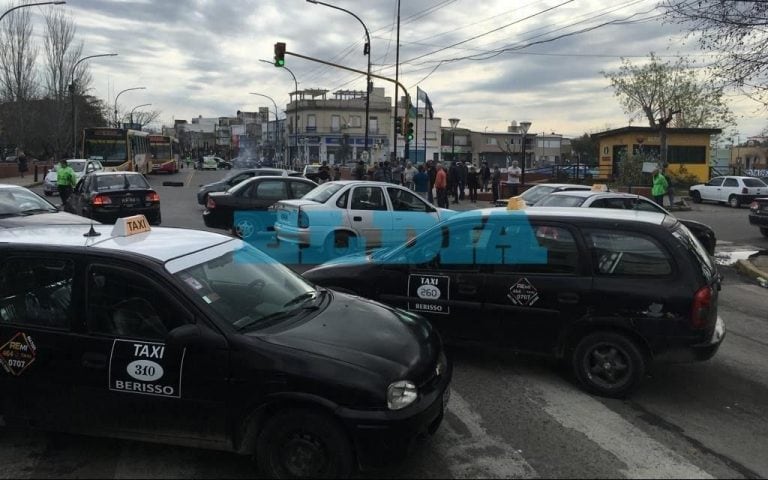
77,166
312,168
322,193
560,201
121,182
247,288
18,201
536,193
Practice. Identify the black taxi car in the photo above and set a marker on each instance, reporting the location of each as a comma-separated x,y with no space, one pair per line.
607,291
195,338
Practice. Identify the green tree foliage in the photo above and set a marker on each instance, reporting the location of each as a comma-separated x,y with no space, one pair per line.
631,170
586,148
737,31
657,89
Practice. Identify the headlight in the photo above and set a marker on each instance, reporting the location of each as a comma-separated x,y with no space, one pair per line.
401,394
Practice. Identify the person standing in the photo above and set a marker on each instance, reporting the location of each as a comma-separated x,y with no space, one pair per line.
463,172
323,173
513,179
485,175
670,190
441,185
432,173
495,183
378,174
660,186
336,173
408,175
453,181
421,182
360,170
472,183
21,159
65,182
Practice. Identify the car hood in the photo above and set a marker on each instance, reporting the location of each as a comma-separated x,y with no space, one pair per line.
364,333
53,218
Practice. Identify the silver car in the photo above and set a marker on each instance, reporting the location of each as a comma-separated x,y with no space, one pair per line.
81,166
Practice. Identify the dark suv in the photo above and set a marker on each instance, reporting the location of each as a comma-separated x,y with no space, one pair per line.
607,291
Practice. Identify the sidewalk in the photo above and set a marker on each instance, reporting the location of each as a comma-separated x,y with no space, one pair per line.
28,181
756,267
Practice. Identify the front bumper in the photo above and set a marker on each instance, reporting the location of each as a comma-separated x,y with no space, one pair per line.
761,220
50,188
385,437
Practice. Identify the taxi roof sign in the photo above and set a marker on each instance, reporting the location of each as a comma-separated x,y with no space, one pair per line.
599,187
516,203
127,226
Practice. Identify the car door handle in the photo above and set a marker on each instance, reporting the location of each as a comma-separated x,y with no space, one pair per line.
94,361
467,289
357,219
569,298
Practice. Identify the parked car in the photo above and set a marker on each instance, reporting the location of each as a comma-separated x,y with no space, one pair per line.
625,201
608,292
758,214
107,196
735,191
343,216
245,162
224,209
211,162
311,171
233,178
194,338
81,167
22,207
582,171
536,192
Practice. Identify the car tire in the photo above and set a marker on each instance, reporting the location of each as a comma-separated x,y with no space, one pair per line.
608,364
696,196
303,444
734,202
764,231
339,244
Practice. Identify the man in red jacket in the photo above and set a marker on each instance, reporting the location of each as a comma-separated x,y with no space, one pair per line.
441,185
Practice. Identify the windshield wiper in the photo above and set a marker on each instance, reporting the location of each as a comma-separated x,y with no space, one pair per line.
272,317
304,297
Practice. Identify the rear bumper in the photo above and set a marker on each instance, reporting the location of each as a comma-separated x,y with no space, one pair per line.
698,352
759,220
104,215
293,235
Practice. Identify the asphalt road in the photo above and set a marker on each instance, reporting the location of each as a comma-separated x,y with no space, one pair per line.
514,416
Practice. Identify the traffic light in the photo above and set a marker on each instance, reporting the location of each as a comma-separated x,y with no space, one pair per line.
399,126
280,54
409,131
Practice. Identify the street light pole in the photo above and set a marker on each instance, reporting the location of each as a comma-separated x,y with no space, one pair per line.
454,124
73,91
295,112
524,126
366,51
117,121
276,118
134,109
29,5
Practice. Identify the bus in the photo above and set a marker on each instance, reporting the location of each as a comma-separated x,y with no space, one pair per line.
118,149
165,153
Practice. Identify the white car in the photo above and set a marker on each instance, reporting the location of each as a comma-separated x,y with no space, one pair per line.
345,216
733,190
81,166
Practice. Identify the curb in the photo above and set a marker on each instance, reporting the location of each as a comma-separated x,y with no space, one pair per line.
746,267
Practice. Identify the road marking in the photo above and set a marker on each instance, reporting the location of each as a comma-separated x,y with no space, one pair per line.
643,456
469,451
188,181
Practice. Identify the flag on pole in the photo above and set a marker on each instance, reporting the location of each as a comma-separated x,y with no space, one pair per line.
422,96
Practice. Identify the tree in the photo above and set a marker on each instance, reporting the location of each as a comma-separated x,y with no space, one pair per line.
586,148
656,90
737,31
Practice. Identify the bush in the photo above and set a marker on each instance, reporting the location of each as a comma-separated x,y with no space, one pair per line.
680,178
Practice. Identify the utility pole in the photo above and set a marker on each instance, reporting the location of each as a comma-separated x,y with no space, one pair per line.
397,80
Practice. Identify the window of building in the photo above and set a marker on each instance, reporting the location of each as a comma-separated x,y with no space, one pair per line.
490,141
311,123
373,124
356,121
690,155
335,123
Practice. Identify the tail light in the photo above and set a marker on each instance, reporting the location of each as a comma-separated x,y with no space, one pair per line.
745,191
753,206
152,197
702,303
303,219
211,203
100,200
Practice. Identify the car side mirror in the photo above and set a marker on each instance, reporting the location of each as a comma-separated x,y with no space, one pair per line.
184,335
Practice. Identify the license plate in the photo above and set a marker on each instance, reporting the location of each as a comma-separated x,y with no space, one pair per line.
130,200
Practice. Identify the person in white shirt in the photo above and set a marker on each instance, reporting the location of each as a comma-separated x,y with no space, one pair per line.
408,174
513,178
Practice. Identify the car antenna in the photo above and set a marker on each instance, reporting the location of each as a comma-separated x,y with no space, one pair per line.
92,232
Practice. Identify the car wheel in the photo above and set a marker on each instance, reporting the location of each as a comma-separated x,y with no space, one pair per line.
339,244
764,231
696,196
608,364
733,201
303,444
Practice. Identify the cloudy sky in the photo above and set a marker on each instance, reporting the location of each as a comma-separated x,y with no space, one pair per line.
479,60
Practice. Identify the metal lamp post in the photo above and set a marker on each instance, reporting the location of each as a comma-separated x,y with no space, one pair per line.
29,5
295,112
276,118
117,121
366,51
73,91
134,109
454,124
524,126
